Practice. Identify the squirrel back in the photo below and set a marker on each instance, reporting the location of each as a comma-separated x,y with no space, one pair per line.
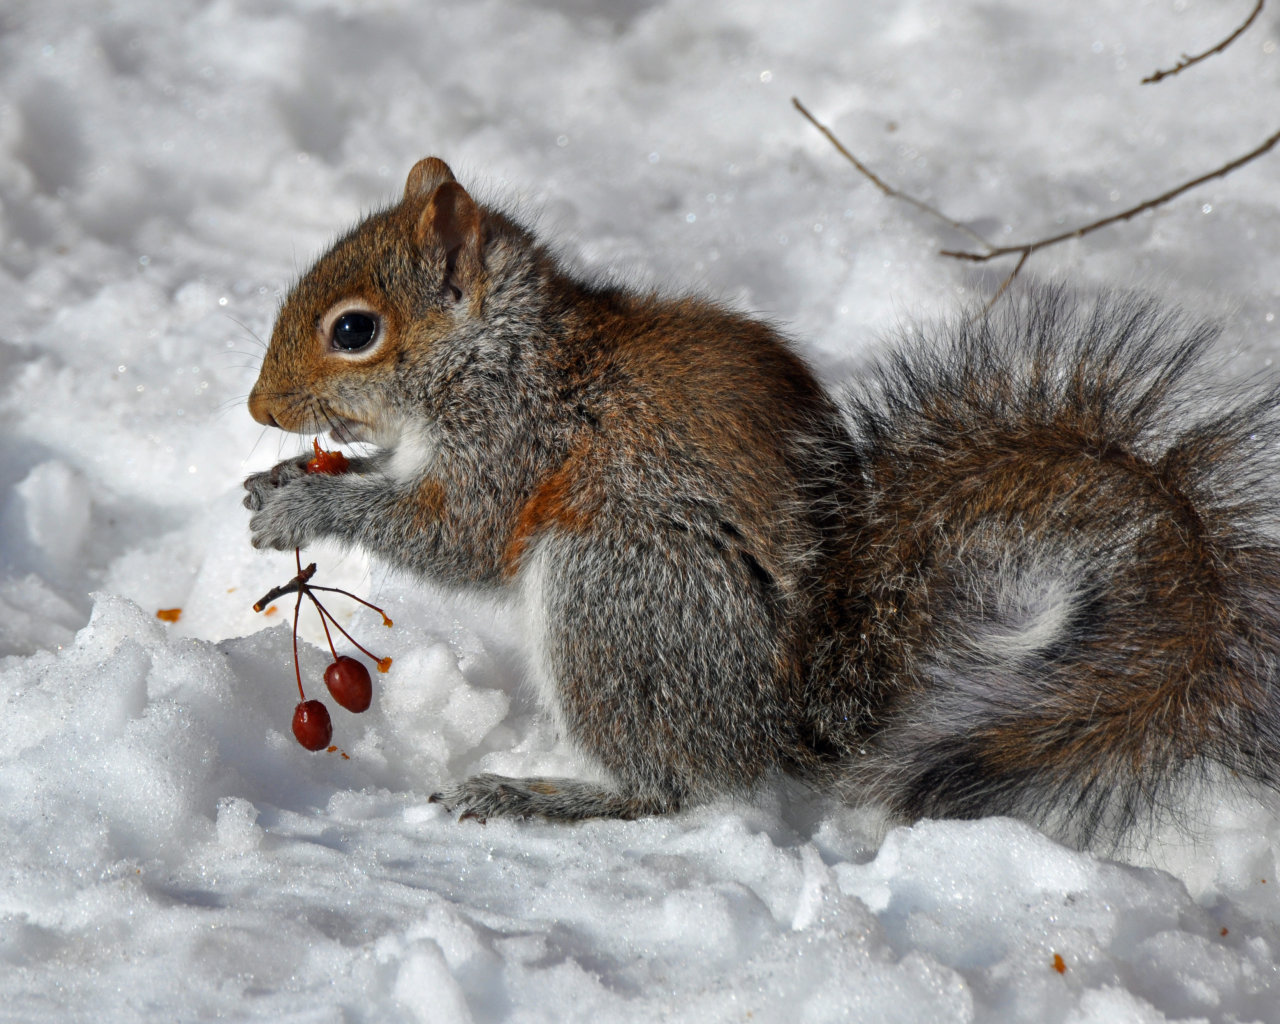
1010,571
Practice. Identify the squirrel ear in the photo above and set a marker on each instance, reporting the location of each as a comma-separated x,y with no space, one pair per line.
426,176
451,222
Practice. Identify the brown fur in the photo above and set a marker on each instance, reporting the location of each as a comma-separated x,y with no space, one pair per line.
1013,573
556,504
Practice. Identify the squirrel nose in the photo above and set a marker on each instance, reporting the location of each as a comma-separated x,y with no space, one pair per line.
259,411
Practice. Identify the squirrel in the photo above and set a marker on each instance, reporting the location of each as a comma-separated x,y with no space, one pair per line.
1025,564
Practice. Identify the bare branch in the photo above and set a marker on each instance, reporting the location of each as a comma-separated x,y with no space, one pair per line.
1186,61
893,193
1024,250
1029,247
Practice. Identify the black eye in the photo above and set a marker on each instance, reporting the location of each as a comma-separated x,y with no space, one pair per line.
353,331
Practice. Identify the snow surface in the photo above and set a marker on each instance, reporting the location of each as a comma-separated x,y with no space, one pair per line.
167,167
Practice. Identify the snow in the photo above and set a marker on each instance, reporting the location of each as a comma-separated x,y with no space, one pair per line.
166,169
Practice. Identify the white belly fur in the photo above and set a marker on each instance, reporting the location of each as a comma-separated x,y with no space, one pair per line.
535,601
414,452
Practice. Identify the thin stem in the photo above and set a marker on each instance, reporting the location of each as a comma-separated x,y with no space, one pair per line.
323,623
336,625
296,667
334,590
1186,61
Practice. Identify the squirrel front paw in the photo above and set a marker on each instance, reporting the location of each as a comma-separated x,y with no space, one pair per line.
261,486
281,525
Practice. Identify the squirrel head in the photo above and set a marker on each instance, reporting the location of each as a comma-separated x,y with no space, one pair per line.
399,283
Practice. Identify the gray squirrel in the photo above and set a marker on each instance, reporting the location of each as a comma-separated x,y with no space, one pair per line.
1012,570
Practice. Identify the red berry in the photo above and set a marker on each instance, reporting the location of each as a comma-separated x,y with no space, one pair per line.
312,725
348,681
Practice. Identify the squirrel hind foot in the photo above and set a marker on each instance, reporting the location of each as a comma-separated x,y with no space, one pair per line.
497,796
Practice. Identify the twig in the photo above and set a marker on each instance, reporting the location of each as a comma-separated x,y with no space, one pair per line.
1186,61
295,584
1028,248
893,193
1025,250
302,586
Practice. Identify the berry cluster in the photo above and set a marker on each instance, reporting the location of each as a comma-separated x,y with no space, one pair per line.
347,679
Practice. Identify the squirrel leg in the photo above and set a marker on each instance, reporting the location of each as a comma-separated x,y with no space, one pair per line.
495,796
662,655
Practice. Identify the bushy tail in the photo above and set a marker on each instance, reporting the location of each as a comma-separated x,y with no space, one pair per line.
1071,556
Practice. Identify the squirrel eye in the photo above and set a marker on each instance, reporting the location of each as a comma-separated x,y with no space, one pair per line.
353,331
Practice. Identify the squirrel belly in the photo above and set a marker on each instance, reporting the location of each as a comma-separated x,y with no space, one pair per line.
1027,566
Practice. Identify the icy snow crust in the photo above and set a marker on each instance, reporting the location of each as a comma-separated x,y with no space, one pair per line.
167,167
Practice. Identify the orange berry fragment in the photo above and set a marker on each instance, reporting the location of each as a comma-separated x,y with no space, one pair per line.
169,614
1059,964
332,463
384,664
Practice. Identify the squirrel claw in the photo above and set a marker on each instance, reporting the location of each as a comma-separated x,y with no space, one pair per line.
452,805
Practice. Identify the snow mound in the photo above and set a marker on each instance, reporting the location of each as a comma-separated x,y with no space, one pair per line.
151,794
